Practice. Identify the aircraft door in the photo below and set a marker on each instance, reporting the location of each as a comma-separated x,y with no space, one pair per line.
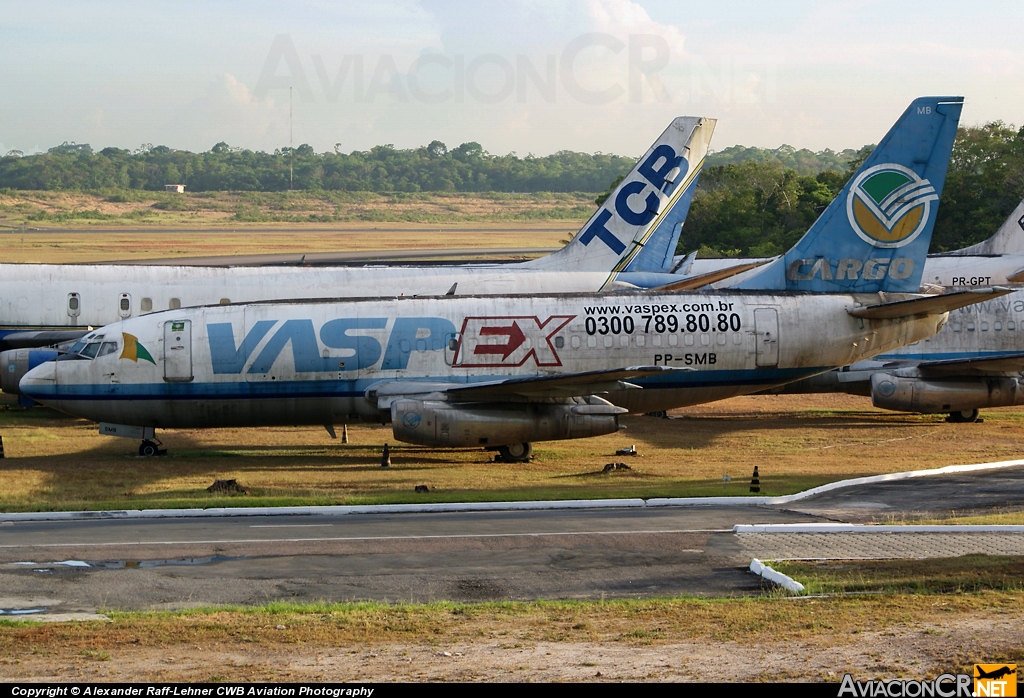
178,351
766,331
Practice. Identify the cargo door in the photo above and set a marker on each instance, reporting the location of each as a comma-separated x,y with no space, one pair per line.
178,351
766,330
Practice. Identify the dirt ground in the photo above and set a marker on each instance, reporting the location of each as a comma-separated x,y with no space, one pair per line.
917,648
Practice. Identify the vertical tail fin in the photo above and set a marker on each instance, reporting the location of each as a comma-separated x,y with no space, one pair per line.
874,236
1009,239
638,226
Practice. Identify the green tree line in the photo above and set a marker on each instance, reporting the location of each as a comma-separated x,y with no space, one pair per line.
467,168
750,201
761,207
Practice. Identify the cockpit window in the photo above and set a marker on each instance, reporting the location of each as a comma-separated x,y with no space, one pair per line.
91,349
76,347
107,348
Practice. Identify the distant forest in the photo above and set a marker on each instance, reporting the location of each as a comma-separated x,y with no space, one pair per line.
750,201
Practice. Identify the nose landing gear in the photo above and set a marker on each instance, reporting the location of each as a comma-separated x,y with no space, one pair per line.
151,448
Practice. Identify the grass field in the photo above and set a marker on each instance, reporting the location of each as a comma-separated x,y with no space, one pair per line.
756,639
55,462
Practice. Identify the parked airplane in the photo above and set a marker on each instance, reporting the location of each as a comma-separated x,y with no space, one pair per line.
628,243
502,372
976,361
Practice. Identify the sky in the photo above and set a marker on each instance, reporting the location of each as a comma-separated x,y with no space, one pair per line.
523,76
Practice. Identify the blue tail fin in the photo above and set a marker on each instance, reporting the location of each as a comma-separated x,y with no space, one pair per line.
645,210
874,236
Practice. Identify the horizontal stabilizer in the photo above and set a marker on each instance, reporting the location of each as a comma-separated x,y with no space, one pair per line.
694,282
927,305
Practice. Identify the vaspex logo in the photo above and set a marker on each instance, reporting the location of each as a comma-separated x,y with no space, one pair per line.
888,205
849,269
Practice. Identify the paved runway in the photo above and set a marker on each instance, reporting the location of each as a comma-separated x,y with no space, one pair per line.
473,556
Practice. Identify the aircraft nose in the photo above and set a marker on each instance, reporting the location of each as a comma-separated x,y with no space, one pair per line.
39,381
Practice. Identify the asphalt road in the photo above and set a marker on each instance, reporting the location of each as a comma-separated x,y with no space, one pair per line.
460,556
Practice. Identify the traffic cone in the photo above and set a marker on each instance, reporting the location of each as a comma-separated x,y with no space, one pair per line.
755,481
385,459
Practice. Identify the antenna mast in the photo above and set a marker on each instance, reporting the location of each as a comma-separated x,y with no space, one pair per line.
291,142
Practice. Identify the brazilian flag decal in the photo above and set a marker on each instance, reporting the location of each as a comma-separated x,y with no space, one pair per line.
133,349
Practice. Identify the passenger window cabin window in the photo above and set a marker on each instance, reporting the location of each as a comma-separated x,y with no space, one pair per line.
124,305
956,327
997,326
984,327
174,304
559,342
1011,325
225,301
970,327
74,305
146,305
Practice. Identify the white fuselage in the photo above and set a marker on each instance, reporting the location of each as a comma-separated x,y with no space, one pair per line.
61,296
318,362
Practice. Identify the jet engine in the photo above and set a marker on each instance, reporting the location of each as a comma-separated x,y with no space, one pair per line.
954,395
440,423
15,363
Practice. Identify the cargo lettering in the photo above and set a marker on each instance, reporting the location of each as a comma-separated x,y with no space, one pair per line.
849,269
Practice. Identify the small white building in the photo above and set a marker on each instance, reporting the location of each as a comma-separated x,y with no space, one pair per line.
177,188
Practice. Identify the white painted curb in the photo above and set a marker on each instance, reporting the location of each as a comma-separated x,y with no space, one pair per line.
872,528
503,506
784,581
768,501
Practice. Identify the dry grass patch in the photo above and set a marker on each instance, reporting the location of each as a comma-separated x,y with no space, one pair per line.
674,639
54,462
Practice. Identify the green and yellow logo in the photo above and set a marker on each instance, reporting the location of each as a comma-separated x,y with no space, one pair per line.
133,349
888,205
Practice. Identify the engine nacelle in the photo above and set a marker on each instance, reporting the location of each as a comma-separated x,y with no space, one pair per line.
15,363
439,423
908,394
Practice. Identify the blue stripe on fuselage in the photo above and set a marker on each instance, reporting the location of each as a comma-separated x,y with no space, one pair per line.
264,390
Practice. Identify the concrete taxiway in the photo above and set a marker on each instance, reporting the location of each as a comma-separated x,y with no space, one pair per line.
133,561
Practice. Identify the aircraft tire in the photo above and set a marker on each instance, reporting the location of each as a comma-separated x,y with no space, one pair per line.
964,416
516,453
148,449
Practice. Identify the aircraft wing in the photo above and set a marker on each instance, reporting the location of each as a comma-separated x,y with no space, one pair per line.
992,364
927,305
530,388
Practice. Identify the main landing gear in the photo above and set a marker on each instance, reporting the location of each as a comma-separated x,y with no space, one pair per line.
963,416
515,453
